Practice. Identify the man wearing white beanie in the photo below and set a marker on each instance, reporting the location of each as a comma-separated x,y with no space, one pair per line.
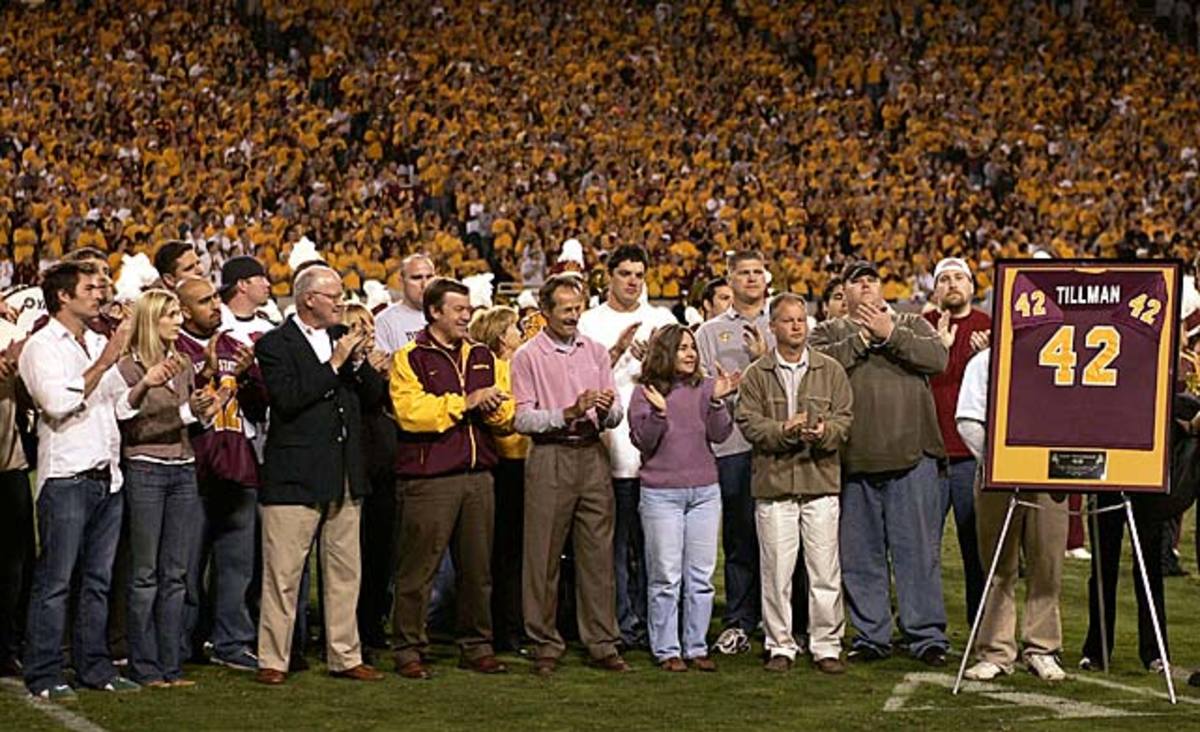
964,330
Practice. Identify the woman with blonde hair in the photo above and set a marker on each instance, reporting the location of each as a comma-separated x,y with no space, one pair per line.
498,328
160,484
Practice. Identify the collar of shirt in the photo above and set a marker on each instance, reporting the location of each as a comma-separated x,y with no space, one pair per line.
318,338
800,365
731,314
548,343
92,344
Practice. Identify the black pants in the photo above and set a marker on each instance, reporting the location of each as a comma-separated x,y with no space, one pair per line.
508,624
16,559
379,519
1106,554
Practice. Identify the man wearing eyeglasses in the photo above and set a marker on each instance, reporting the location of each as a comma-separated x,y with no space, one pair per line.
314,474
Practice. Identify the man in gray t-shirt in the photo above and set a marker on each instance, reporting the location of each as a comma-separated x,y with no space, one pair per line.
731,342
400,322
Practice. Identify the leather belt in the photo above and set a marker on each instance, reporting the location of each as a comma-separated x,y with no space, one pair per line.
567,440
100,475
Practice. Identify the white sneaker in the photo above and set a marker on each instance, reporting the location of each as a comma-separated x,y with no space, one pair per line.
984,671
1080,552
1156,666
1045,667
732,641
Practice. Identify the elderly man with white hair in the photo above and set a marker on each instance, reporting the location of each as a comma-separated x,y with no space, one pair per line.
314,472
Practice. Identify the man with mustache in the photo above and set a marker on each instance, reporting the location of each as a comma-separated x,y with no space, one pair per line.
565,398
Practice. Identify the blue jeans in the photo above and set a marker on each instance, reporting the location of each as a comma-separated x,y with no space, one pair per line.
78,522
629,562
743,593
226,547
958,493
896,514
162,502
680,525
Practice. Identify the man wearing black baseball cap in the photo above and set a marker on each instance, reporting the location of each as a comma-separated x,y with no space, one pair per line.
891,499
244,289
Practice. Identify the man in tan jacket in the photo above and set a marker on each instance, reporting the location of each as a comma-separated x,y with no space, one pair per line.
795,409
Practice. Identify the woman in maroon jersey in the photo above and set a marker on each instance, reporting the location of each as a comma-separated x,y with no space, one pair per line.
160,484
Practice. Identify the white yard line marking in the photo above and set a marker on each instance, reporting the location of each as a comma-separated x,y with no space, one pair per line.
1140,690
1058,706
57,712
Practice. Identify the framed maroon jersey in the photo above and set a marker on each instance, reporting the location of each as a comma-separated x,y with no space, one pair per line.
1081,375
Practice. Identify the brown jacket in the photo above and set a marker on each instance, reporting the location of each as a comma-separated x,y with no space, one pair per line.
783,464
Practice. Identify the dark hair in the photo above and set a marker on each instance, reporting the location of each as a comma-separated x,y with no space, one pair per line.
85,254
63,277
658,366
743,255
168,255
628,253
827,294
554,284
710,290
436,291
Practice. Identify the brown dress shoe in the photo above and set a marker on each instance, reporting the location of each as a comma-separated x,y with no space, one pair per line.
778,664
270,676
484,665
703,663
830,665
611,663
545,667
674,664
414,670
361,672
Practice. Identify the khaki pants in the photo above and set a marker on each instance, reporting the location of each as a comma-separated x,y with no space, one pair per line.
1043,534
287,535
569,488
455,511
782,524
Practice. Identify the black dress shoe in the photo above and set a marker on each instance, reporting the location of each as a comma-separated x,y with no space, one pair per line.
865,654
933,656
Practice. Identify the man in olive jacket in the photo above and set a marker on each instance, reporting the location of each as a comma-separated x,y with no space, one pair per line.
891,502
795,408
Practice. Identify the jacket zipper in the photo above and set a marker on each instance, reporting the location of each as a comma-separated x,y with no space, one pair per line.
462,384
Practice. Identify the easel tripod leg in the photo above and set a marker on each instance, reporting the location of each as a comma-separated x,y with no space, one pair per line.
987,590
1141,560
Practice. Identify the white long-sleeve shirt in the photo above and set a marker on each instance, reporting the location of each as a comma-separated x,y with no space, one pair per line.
75,434
605,325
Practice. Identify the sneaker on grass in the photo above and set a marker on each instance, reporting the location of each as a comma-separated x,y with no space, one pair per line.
120,684
1045,667
243,660
984,671
732,642
60,694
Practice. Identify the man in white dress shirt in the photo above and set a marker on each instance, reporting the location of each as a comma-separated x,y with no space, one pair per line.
67,368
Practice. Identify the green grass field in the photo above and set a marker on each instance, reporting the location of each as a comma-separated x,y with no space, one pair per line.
898,693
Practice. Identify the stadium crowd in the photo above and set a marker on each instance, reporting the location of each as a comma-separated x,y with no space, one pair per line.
445,458
489,134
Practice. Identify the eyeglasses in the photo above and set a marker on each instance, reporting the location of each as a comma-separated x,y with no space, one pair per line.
334,299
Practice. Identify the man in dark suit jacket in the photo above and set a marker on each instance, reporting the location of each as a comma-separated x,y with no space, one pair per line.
314,475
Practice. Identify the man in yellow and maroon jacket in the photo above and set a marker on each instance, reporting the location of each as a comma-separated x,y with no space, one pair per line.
447,403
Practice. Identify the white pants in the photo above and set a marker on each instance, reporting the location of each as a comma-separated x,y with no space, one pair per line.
782,525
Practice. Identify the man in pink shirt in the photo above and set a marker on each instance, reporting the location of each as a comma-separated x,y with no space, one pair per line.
565,396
